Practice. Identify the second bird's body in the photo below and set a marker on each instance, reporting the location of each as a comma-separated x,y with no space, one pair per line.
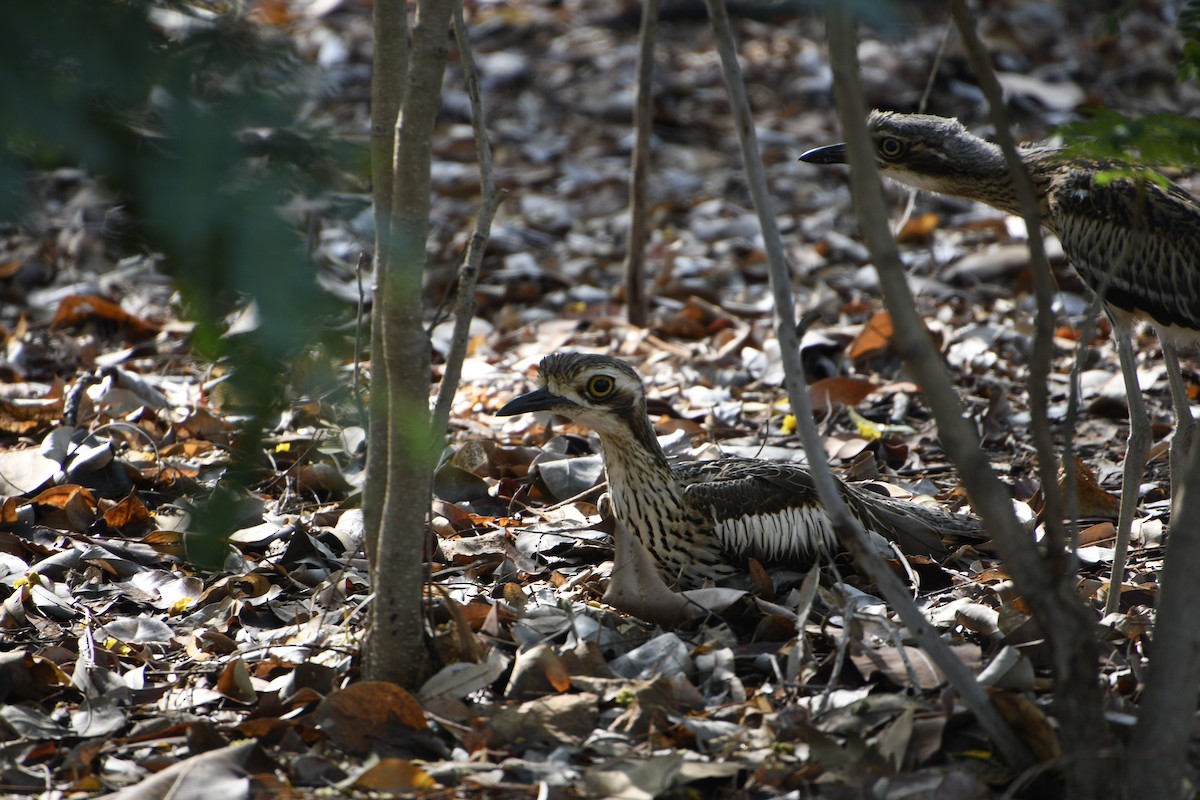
1136,241
1131,235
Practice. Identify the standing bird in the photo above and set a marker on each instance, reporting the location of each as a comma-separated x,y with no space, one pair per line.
704,520
1136,243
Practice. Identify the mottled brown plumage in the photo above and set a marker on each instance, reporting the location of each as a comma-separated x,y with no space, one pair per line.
1135,242
704,520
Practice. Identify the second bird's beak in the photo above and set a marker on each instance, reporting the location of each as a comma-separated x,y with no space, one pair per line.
829,154
537,400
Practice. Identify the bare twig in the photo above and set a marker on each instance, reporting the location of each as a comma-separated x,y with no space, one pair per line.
359,319
1043,286
1049,587
849,530
643,115
1070,471
489,201
1049,591
1158,754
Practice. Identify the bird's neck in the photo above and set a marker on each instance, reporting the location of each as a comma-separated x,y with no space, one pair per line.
650,502
979,171
634,459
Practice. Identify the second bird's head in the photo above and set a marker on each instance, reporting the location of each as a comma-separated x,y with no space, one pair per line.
921,150
601,392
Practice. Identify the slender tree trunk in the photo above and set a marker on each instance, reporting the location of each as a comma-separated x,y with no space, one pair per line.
395,647
387,96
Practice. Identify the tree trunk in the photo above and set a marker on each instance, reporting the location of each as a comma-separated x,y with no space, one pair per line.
395,648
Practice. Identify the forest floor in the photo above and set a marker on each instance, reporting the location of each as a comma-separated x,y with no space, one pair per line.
123,664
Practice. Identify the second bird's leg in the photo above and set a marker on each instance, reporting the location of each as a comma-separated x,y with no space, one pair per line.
1136,452
1185,426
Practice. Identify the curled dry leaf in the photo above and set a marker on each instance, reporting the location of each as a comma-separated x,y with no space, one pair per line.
367,713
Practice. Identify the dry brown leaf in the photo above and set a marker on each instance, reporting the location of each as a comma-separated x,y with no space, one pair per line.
1100,533
272,12
394,775
829,393
1093,500
234,683
69,507
129,517
1029,723
367,712
760,579
538,671
25,415
875,337
78,308
919,229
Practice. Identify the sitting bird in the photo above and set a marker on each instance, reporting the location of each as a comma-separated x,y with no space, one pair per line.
705,520
1135,242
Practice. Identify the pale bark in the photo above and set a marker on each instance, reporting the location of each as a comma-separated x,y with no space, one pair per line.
387,95
1157,761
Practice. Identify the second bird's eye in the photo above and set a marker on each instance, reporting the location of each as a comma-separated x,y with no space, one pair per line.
600,386
891,147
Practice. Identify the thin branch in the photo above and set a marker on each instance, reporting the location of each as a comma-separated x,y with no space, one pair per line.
1043,286
849,530
1051,593
359,325
643,115
1158,755
489,202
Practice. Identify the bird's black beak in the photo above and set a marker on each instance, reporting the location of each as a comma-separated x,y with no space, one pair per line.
829,154
537,400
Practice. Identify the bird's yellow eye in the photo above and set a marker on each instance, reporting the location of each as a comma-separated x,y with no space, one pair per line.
600,386
891,147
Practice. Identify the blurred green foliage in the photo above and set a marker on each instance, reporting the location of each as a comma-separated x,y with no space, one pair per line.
1158,139
161,120
1189,28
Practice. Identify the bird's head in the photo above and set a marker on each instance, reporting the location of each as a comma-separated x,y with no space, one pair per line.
933,153
598,391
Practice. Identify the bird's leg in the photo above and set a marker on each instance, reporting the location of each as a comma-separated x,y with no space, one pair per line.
1136,451
1185,425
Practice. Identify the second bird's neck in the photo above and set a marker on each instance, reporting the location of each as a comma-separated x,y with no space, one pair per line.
979,171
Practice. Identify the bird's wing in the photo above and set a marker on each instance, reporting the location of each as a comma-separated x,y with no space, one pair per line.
760,509
770,511
1147,234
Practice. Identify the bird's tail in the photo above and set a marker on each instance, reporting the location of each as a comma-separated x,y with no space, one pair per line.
920,530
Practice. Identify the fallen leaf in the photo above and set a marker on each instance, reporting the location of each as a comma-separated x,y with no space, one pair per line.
875,337
828,393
